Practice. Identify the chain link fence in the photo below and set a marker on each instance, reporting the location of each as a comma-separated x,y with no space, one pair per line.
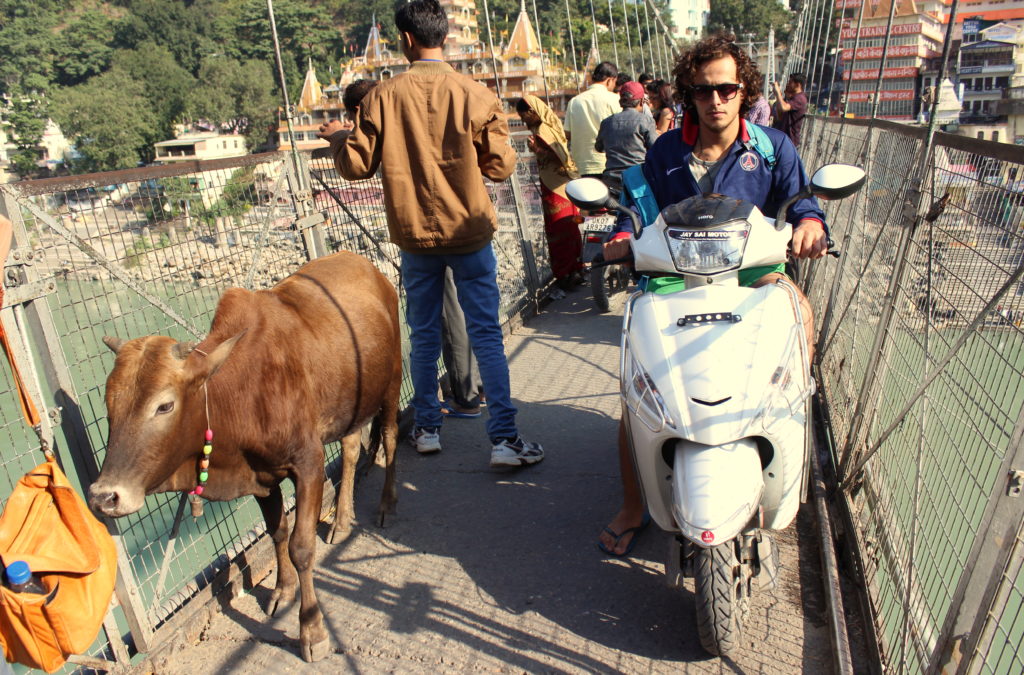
149,251
922,366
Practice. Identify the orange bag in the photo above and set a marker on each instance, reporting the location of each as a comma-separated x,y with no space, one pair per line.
47,524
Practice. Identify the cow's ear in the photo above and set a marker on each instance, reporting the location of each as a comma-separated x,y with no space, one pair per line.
216,358
114,343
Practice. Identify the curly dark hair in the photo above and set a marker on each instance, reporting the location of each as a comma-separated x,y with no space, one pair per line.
355,93
710,48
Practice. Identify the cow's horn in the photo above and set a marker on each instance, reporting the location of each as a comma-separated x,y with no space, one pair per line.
183,349
114,343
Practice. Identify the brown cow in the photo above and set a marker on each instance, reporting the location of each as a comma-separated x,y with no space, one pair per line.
312,360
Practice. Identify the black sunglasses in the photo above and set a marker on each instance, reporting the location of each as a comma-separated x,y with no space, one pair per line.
726,91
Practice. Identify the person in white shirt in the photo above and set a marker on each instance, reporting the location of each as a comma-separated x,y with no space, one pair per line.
583,118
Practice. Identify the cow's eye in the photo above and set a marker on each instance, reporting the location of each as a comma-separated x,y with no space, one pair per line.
165,408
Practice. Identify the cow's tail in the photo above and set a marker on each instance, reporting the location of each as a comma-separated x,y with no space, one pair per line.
374,438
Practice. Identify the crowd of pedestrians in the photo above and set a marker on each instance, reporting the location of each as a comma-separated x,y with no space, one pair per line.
443,221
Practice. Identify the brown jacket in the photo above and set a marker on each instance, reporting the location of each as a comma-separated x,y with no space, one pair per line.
433,133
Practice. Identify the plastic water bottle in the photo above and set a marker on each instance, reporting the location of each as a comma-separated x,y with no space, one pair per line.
21,580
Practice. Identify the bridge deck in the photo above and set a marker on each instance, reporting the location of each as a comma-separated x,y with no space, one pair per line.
489,571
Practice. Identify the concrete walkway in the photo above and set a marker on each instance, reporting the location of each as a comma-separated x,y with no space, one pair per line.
499,572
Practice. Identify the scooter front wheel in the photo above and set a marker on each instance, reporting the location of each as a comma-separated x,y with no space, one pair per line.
721,598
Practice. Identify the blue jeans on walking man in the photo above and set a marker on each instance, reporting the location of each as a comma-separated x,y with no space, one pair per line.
475,277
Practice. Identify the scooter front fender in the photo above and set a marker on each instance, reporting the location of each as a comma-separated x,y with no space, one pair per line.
716,489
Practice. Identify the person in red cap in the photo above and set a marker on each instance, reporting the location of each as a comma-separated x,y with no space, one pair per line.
625,136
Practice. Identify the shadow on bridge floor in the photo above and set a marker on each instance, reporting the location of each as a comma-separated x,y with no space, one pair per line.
482,570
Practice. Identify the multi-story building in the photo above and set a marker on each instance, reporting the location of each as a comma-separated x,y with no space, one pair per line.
916,36
690,18
988,69
198,146
985,66
518,66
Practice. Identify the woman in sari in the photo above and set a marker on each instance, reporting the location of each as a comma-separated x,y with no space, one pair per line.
561,218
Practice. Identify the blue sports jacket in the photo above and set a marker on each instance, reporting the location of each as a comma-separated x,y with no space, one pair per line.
744,174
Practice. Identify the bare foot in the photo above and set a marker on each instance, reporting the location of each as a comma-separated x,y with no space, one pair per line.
624,520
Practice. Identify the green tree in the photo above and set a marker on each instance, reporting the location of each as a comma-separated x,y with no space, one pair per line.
26,43
26,115
749,16
178,25
110,120
303,31
83,48
235,95
166,84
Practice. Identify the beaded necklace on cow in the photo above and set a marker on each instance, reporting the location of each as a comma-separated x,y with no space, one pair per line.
194,498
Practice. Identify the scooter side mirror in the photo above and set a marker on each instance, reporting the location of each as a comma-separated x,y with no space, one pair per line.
837,181
589,194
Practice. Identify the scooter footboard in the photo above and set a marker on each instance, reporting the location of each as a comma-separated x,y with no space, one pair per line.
716,489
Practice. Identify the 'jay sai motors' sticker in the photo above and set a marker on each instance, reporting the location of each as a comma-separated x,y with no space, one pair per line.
707,536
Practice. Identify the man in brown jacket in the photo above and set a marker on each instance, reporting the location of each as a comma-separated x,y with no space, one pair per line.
434,134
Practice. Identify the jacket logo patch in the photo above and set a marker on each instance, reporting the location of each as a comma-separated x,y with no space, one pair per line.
749,161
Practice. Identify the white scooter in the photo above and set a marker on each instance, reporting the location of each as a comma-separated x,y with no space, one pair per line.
715,387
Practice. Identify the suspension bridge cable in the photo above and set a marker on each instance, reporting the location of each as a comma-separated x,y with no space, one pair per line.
650,43
629,42
593,18
540,43
671,50
881,64
490,44
639,35
657,42
572,47
288,111
821,72
815,39
615,43
669,60
848,88
793,48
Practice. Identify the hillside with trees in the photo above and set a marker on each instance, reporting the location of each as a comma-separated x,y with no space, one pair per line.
117,75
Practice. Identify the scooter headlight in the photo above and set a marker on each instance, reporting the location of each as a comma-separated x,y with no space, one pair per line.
709,251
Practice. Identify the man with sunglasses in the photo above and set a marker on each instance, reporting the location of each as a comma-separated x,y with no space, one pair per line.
715,150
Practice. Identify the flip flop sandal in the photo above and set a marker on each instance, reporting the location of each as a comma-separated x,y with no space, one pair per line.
635,531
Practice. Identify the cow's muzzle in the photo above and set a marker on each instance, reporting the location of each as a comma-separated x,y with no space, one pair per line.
114,500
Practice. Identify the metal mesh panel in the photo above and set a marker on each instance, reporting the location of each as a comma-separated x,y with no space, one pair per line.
150,251
1000,648
921,501
150,255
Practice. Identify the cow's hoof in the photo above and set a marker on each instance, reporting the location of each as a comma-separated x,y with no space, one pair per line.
316,651
278,599
339,533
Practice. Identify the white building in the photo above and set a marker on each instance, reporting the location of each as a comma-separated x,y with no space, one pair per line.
190,147
690,18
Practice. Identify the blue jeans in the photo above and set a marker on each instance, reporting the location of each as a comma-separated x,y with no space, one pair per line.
477,284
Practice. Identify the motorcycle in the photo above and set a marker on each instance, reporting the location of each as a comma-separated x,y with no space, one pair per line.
605,280
715,387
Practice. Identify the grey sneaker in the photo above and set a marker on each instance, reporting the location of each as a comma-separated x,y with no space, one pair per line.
515,452
426,440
